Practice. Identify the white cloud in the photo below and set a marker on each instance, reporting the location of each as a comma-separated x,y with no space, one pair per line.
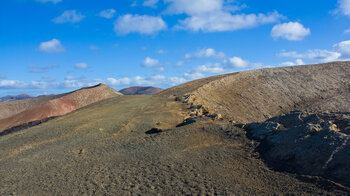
2,76
75,83
344,7
314,55
323,55
36,69
162,51
150,3
209,68
157,78
341,52
193,7
160,69
293,31
238,62
292,54
200,7
119,82
202,71
139,24
290,63
149,62
42,84
16,84
52,1
69,16
216,16
78,83
225,21
138,81
8,84
193,76
343,48
81,65
177,80
347,31
180,63
52,46
206,53
108,13
299,62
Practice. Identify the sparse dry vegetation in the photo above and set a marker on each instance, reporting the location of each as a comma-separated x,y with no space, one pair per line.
130,145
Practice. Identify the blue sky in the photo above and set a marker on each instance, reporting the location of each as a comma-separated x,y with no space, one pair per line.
55,46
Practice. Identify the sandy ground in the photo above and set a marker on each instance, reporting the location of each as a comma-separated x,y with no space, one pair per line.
103,149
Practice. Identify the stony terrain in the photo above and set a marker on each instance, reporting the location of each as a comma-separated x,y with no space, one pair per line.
306,143
206,137
20,112
139,90
96,150
255,96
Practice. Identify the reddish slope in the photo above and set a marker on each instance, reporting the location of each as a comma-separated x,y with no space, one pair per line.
138,90
60,105
8,109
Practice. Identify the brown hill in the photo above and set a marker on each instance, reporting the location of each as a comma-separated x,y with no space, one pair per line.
175,143
139,90
11,108
310,145
257,95
21,112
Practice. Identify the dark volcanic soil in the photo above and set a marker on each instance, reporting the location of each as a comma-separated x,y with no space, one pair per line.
106,153
306,143
186,140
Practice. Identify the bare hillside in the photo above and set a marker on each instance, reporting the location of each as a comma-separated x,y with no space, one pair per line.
177,143
261,94
11,108
131,145
46,107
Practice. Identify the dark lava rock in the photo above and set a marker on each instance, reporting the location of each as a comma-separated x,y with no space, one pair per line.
154,131
306,143
187,122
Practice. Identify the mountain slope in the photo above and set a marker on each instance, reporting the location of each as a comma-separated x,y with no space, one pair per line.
107,148
53,106
139,90
261,94
158,145
11,108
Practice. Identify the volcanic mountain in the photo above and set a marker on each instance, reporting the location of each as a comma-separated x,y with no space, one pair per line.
16,113
233,134
15,97
255,96
139,90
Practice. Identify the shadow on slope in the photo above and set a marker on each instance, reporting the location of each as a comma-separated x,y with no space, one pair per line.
314,144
